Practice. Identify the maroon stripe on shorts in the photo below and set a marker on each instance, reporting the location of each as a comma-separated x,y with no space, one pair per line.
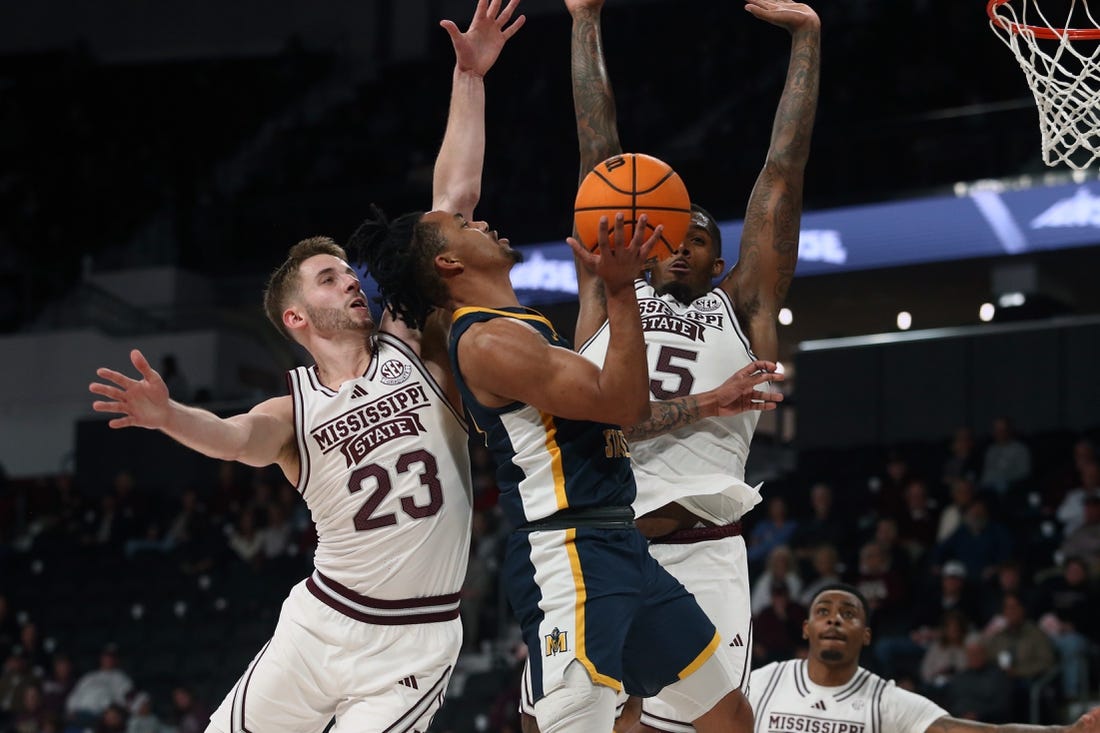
414,617
697,534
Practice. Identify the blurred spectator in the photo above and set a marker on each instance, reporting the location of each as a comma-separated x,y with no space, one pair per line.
30,716
1007,460
1085,540
9,629
887,489
142,718
97,690
1019,647
886,535
826,568
946,654
14,679
275,538
245,539
951,518
981,543
112,720
963,459
781,568
885,589
824,526
1071,511
917,523
38,660
982,691
1010,578
58,684
900,653
188,714
1067,607
770,532
777,630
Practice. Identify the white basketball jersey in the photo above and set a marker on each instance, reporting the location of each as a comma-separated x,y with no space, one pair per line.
784,700
691,349
385,471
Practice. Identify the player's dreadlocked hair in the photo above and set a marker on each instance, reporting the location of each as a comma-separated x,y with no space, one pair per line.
399,256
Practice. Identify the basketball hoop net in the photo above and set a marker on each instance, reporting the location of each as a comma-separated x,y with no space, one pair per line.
1061,62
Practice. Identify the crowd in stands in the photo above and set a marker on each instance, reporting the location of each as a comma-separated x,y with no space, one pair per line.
114,163
132,610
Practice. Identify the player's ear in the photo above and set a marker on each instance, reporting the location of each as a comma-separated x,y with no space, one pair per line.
718,267
293,318
448,265
866,636
806,630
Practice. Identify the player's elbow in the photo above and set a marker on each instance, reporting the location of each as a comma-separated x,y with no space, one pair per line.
630,412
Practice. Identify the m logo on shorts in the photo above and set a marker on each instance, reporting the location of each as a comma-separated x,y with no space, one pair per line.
557,641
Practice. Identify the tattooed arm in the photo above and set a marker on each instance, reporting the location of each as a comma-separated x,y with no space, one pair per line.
1087,723
736,395
597,135
759,283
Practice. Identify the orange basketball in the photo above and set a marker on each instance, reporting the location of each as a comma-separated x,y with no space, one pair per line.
634,184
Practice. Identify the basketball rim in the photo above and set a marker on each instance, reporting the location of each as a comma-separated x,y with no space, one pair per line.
1038,31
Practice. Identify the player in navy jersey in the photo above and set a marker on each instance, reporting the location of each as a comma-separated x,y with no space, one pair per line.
373,442
596,611
828,692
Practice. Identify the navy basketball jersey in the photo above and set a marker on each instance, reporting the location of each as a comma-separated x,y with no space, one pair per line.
544,463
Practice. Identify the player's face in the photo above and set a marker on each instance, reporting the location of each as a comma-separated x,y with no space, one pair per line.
837,628
332,297
473,242
692,267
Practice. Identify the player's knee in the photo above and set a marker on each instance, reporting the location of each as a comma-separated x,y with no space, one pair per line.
578,705
703,690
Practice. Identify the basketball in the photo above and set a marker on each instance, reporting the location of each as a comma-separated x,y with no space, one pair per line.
634,184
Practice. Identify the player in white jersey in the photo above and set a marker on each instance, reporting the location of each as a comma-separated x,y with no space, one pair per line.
828,692
369,437
691,488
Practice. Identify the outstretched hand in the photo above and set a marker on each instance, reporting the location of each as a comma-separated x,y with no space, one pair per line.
618,265
478,48
739,394
142,402
793,16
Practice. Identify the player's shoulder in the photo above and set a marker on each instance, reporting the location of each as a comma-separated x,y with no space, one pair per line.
278,407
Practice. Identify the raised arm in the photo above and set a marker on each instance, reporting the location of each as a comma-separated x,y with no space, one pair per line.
456,181
597,136
759,283
505,360
260,437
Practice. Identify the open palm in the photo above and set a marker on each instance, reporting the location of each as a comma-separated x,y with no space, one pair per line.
478,48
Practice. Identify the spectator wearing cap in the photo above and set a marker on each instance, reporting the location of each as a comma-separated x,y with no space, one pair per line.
142,718
97,690
899,654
